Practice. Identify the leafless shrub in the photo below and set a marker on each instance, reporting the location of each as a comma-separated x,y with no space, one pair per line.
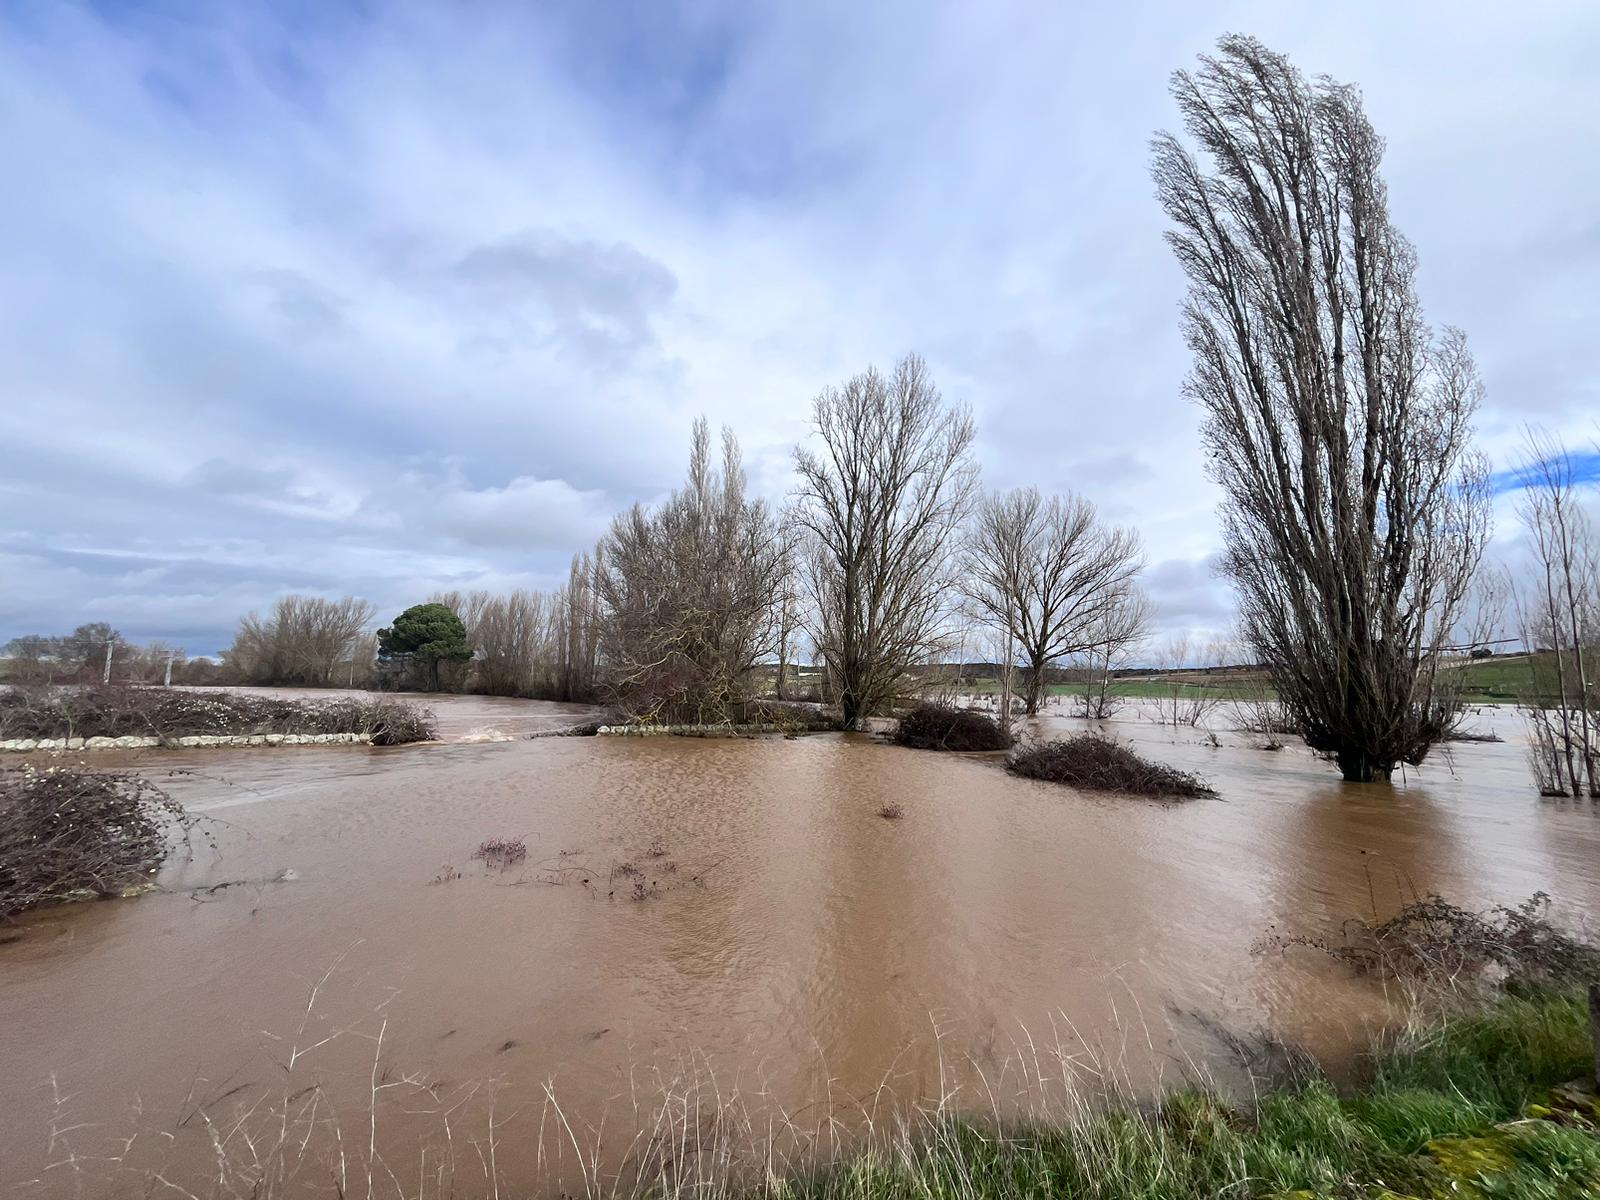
68,833
1098,763
1186,699
891,811
392,723
945,727
119,711
1337,423
1435,944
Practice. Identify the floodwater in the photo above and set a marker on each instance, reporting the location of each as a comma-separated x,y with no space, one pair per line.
702,931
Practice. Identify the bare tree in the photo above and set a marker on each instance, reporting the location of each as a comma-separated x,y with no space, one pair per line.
1560,609
1118,634
1336,423
688,593
1047,572
881,502
786,606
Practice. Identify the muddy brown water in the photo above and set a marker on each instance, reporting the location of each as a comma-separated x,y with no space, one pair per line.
362,980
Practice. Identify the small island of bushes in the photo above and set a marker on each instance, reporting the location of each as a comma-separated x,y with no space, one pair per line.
1090,761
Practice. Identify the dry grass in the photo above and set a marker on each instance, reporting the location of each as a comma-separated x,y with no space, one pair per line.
1098,763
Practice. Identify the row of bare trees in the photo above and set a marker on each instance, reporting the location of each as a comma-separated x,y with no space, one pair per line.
305,641
96,652
537,644
884,557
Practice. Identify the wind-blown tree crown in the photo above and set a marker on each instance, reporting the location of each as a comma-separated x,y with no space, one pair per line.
1338,425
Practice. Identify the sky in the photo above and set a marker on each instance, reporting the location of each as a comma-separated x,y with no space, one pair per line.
383,299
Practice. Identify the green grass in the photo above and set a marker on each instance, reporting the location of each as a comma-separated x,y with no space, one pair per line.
1462,1108
1501,680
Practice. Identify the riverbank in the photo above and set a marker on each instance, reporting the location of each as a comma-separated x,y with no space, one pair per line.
1476,1104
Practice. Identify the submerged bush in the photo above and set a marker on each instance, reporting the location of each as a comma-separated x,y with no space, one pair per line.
1435,944
68,833
944,727
172,713
1092,761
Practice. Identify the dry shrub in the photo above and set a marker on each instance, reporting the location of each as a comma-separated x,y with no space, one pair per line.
1433,944
67,834
501,853
1100,764
120,711
393,723
891,811
932,726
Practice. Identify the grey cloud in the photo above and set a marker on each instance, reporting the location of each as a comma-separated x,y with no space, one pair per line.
599,298
1189,597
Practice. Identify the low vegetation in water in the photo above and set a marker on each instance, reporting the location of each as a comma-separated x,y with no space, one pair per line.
173,713
1434,946
73,834
499,854
1100,764
944,727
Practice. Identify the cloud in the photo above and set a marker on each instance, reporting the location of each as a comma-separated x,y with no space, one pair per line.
377,300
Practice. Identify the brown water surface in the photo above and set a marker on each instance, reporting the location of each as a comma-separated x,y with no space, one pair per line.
779,938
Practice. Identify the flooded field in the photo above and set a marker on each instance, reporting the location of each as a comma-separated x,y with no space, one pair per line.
698,929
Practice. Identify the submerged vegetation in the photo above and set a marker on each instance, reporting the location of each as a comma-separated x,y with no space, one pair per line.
168,714
72,834
1434,945
944,727
1097,763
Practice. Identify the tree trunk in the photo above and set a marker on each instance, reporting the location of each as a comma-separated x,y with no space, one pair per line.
1358,766
1035,688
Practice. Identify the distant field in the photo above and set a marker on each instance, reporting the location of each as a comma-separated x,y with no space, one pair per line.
1489,681
1135,689
1499,680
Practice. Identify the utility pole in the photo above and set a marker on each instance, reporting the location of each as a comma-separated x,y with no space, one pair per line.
105,676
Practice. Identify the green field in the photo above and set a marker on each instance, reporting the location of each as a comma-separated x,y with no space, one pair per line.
1134,689
1502,680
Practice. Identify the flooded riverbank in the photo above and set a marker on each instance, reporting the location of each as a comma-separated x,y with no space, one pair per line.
770,930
